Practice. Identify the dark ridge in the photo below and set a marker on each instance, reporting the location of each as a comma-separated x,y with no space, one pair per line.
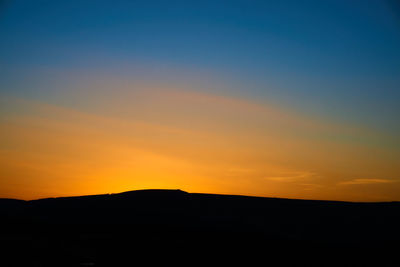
4,202
11,205
179,192
165,226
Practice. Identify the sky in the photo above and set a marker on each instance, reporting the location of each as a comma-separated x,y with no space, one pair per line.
291,99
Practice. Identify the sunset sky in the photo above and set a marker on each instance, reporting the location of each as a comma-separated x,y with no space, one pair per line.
294,99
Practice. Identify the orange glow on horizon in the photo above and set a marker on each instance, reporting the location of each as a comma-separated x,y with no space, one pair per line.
174,139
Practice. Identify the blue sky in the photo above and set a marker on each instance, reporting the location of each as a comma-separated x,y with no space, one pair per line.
337,58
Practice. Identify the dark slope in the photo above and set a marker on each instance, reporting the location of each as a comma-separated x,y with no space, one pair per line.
172,226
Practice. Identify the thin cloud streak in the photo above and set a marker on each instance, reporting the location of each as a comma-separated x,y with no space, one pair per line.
365,181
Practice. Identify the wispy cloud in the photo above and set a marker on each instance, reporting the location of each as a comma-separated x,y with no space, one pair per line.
366,181
292,177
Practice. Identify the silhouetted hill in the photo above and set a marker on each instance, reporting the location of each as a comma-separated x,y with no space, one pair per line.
170,226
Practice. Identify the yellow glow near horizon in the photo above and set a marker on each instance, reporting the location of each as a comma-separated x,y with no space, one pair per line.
198,142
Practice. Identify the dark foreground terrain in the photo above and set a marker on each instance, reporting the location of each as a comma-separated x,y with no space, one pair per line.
172,227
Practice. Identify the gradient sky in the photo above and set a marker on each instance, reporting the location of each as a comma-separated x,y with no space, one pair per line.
296,99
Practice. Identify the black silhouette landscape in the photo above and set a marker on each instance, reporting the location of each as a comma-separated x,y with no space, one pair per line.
173,227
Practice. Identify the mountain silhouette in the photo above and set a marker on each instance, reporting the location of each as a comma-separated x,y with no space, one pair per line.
173,227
